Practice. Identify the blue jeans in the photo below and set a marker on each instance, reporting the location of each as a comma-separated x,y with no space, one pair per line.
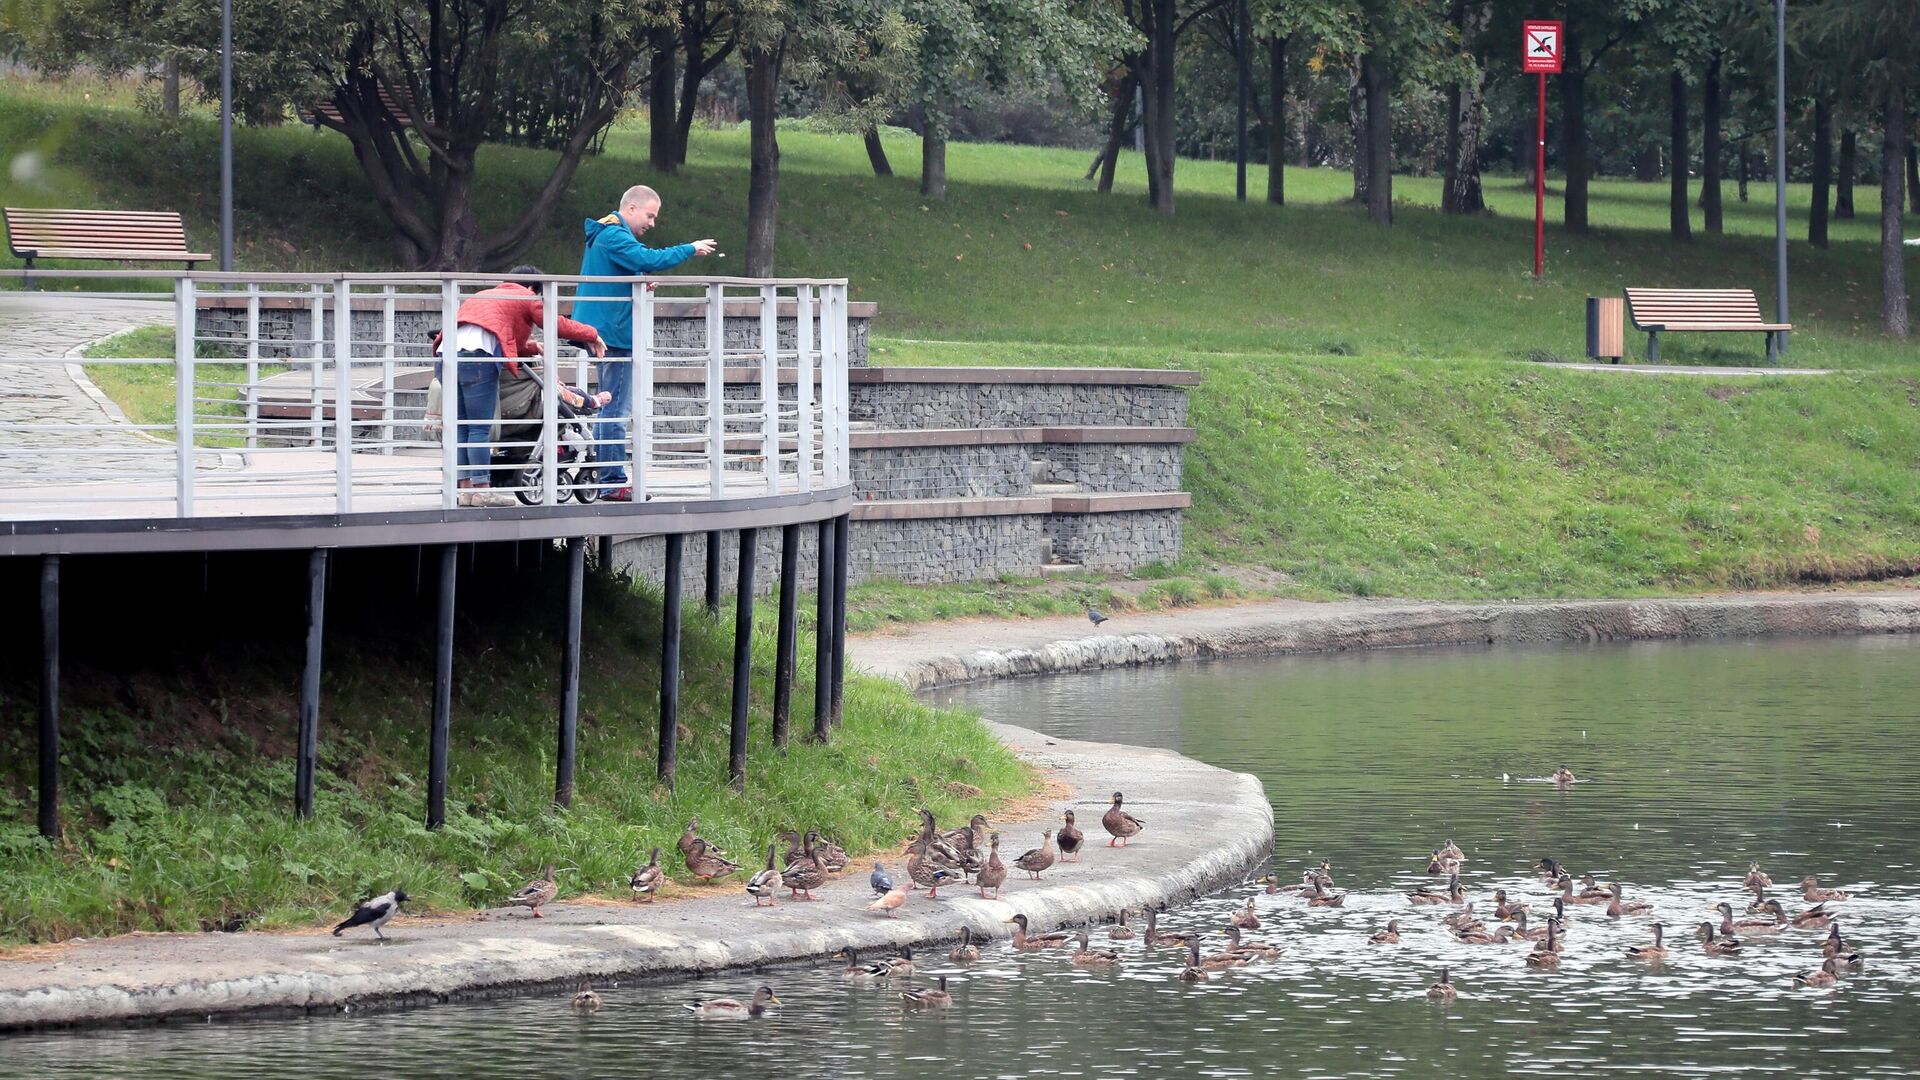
479,400
616,378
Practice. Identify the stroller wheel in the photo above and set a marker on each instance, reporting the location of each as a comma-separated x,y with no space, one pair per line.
588,486
528,481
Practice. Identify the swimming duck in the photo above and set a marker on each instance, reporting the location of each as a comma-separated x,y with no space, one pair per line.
1546,954
1389,936
731,1009
1835,945
1223,960
1590,889
1031,942
901,962
1034,860
1322,873
1120,931
1454,894
1813,893
1440,864
1482,937
1776,922
1556,939
1563,776
1814,918
1759,902
1442,990
1599,896
1724,946
807,874
586,1000
1617,907
1756,878
1319,897
1086,956
993,873
647,880
1122,825
1451,850
890,902
858,970
706,864
966,952
1070,838
1463,919
1254,950
1273,883
924,998
1550,870
1193,972
1504,910
533,894
765,885
1828,973
1245,919
1155,936
1654,952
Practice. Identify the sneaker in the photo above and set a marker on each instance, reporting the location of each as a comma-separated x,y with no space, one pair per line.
619,494
486,498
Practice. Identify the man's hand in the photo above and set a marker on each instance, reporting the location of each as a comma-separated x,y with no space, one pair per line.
705,247
597,347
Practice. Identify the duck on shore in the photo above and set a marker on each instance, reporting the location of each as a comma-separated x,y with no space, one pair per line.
1121,825
536,893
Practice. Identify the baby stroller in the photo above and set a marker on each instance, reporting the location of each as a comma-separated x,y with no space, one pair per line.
522,466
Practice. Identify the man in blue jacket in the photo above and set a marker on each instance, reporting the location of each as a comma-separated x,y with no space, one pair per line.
614,250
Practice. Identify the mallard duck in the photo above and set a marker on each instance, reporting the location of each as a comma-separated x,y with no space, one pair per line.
1389,936
969,836
1835,945
932,843
858,970
1451,850
1087,956
1070,838
1033,942
647,880
533,894
692,833
1120,931
1442,990
890,902
1759,902
1550,870
1463,919
1322,874
1120,824
1255,950
1654,952
1440,864
930,875
1724,946
833,857
1034,860
1244,918
1319,897
586,1000
1563,776
801,878
1453,894
1499,936
923,998
1591,889
993,873
1504,910
901,962
732,1009
1599,896
1756,878
1223,960
1828,973
1814,918
1812,893
706,864
1154,936
966,952
1776,922
1556,939
1525,932
765,885
1617,907
1193,972
1546,954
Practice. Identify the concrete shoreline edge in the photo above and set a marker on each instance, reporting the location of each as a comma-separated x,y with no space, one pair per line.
1062,645
1208,828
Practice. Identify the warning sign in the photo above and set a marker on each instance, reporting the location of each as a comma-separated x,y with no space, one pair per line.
1543,50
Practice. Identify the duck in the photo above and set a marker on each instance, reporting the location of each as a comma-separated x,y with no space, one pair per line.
1835,945
1453,894
1034,860
1812,893
933,847
705,863
765,885
1442,990
1546,955
1155,936
1322,873
1563,776
1723,946
969,836
1120,931
1814,918
1440,864
1244,918
1591,889
1463,919
1654,952
1599,896
692,833
1193,972
1320,897
1528,933
1756,878
1389,936
993,873
1086,956
586,1000
647,880
733,1009
539,891
1274,887
1617,907
1550,870
1556,939
1121,825
1773,925
1451,850
1483,937
1224,959
890,902
858,970
927,998
1034,942
1504,910
925,871
901,962
966,952
1253,950
806,875
832,856
1070,838
1828,973
1759,902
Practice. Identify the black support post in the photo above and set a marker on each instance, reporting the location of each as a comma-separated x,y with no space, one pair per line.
670,662
606,555
783,653
842,533
713,572
442,688
742,661
570,672
308,752
823,637
50,697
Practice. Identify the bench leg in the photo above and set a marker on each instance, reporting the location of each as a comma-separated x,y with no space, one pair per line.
26,278
1653,346
1773,347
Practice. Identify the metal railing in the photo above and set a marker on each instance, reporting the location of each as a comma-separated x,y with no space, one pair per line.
309,394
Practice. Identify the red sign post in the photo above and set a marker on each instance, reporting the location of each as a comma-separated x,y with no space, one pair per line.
1541,54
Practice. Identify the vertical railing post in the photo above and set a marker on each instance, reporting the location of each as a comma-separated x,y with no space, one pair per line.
316,378
343,395
742,660
641,423
438,736
253,364
841,422
50,697
550,397
388,358
570,664
307,750
842,536
784,649
770,386
185,311
716,390
669,739
803,385
449,393
823,634
712,579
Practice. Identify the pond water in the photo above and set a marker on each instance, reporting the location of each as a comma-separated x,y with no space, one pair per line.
1693,760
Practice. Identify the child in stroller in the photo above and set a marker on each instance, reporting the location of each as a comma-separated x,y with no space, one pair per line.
521,463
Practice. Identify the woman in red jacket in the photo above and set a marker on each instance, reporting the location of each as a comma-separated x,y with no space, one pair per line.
491,326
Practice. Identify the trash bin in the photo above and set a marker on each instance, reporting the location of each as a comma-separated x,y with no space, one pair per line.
1606,330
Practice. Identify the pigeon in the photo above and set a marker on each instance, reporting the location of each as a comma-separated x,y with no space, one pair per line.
1094,616
881,881
374,913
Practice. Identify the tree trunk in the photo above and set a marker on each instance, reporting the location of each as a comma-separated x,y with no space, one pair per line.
876,153
1157,84
1893,253
933,160
1357,125
1277,121
170,87
1646,164
1822,172
1379,140
1573,135
1710,165
661,128
763,182
1460,189
1678,222
1746,168
1109,157
1848,168
1913,177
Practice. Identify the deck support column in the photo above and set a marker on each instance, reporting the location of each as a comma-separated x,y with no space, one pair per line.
742,661
713,572
670,661
50,697
308,752
784,651
606,554
570,672
442,687
842,533
823,635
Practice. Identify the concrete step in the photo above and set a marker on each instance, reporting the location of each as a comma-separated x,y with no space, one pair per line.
1058,568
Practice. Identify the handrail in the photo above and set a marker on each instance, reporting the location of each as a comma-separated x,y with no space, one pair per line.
396,277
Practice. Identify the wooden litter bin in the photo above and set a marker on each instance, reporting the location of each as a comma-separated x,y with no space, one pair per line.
1606,329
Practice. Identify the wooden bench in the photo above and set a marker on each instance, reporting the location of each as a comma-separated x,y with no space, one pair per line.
1707,310
124,235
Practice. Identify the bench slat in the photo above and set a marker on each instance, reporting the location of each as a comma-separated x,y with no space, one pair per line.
138,254
122,235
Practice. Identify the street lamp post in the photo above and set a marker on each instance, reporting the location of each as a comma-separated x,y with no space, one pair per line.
1780,164
226,135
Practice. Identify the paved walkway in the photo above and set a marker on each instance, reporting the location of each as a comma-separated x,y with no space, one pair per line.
1677,369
